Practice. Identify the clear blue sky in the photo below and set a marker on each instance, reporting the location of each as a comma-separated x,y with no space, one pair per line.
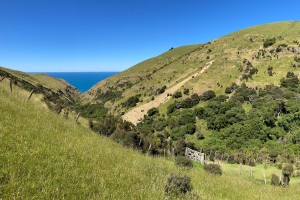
112,35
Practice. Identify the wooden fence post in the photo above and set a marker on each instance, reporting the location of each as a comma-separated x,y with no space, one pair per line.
77,117
264,176
31,94
280,178
173,152
149,147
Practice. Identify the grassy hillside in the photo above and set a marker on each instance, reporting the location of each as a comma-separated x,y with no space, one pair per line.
56,93
45,156
228,53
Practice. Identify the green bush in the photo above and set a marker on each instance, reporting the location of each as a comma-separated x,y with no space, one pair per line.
186,91
213,169
287,172
208,95
269,42
152,111
178,184
177,94
131,101
183,161
275,180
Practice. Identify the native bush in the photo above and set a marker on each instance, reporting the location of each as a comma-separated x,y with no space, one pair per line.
183,161
287,172
208,95
177,94
131,101
269,42
186,91
152,111
178,184
213,169
275,180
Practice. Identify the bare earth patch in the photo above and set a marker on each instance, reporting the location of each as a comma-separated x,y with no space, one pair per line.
135,115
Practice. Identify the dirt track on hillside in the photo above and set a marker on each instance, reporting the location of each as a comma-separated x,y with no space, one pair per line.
137,114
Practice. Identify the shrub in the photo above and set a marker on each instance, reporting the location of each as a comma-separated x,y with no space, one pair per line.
131,101
183,161
213,169
287,172
162,90
186,91
177,94
275,180
269,42
178,184
152,111
208,95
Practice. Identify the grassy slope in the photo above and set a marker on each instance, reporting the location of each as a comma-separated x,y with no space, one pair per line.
228,53
42,79
49,157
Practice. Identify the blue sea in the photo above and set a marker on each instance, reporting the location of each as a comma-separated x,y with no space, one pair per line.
83,81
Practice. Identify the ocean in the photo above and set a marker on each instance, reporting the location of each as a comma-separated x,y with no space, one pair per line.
83,81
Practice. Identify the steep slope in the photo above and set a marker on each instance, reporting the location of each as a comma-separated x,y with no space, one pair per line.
135,115
230,53
45,156
55,92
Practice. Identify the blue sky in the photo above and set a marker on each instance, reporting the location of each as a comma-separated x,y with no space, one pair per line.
112,35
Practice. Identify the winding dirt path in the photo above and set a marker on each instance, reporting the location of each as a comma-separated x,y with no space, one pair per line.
137,114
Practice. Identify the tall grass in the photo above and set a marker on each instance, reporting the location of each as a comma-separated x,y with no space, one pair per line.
45,156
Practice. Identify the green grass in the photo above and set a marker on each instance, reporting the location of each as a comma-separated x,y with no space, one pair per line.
228,53
45,156
42,79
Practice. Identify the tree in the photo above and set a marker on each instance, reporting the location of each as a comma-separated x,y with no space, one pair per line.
208,95
287,172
